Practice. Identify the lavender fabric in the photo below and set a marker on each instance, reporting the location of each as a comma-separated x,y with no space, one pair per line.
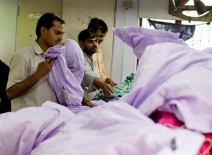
24,130
74,59
139,38
116,129
170,77
66,75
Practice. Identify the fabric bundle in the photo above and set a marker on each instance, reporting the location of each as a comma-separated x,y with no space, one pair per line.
66,75
171,77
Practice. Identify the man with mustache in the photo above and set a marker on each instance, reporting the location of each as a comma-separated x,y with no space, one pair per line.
28,84
101,28
88,41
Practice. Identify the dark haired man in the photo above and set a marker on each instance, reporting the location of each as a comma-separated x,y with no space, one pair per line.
88,41
28,85
101,28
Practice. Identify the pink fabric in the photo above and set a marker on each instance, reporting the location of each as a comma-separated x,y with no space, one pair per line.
206,148
169,119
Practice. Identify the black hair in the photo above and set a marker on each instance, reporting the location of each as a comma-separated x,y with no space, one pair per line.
46,20
87,33
96,24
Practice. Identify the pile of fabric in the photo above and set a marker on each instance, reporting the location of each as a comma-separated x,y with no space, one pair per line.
171,77
167,110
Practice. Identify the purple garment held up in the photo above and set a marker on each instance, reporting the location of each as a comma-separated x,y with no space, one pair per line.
67,74
74,59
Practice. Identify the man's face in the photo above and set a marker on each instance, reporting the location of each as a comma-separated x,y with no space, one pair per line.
54,35
101,36
90,46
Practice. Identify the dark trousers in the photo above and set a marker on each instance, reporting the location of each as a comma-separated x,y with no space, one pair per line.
5,105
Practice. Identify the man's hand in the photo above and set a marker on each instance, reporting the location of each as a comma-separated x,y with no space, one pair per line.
22,87
44,67
107,90
88,103
111,82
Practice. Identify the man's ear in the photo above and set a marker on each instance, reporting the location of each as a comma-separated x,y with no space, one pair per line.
81,44
42,30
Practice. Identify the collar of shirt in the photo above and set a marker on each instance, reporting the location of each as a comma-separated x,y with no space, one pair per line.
88,60
37,48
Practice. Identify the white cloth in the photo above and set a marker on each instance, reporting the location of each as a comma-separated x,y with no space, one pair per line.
89,75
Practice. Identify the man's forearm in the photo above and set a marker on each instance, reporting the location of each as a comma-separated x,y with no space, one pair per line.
107,89
111,82
103,77
21,88
98,83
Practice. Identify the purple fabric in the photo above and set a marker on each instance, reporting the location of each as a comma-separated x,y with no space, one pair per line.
24,130
65,77
118,129
74,59
114,129
139,38
170,77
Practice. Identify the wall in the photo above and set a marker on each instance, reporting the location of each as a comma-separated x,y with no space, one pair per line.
77,15
119,59
8,13
26,26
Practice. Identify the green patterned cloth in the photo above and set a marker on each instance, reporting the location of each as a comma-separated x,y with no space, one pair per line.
119,90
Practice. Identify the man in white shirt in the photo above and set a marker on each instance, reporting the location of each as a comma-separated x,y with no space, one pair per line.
88,41
27,84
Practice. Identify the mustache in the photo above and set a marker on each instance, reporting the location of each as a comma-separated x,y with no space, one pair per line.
94,47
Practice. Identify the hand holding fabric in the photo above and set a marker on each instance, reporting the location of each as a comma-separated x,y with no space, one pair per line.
107,90
44,67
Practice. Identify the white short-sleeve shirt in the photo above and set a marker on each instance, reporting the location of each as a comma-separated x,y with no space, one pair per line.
23,64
